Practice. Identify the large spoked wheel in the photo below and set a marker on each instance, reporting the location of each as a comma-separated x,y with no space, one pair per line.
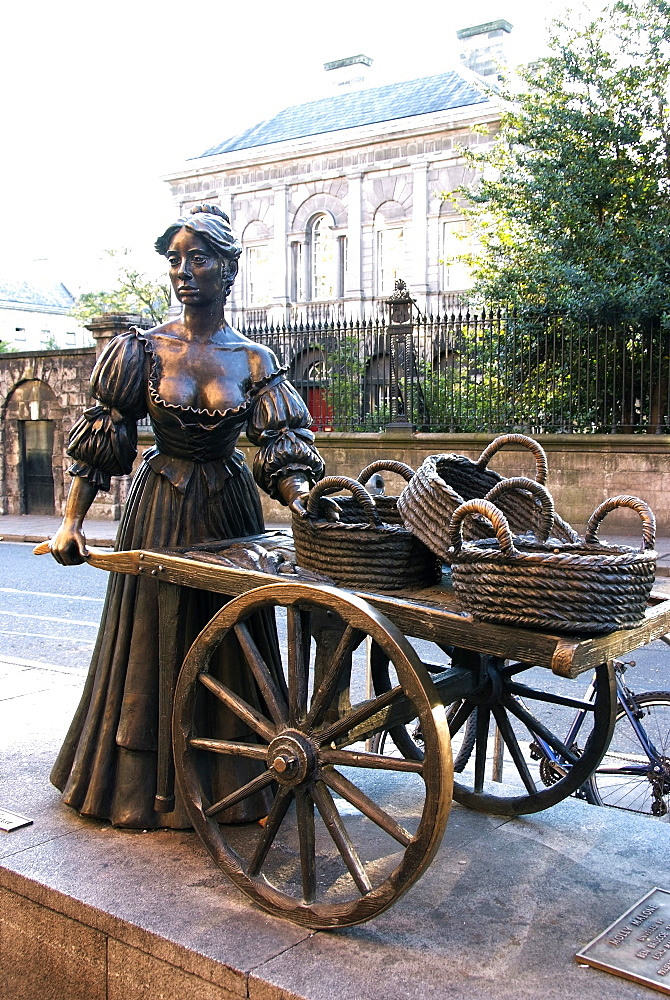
536,742
633,776
347,831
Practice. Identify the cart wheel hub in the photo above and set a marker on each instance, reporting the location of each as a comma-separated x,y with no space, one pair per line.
292,757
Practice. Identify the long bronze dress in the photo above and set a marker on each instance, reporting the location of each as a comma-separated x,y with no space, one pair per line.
193,486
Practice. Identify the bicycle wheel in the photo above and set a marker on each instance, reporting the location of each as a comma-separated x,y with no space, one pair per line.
627,778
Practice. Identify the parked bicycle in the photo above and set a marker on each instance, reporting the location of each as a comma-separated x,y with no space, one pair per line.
633,775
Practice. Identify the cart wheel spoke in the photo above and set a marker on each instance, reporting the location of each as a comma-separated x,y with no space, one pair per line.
226,747
376,761
251,788
512,744
272,823
298,635
481,747
351,727
537,727
351,638
305,817
259,668
339,856
242,709
336,829
364,804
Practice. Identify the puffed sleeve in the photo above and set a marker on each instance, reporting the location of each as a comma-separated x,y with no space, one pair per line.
103,441
279,425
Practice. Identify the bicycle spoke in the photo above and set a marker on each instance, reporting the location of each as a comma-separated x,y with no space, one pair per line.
512,744
351,638
272,824
251,788
226,747
337,830
360,800
376,761
305,818
268,688
298,640
239,706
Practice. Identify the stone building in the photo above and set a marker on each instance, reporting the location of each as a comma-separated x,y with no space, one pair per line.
36,313
336,198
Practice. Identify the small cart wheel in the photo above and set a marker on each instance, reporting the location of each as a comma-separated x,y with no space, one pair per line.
347,831
522,743
536,741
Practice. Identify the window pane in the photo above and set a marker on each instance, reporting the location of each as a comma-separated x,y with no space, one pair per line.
259,289
390,259
324,260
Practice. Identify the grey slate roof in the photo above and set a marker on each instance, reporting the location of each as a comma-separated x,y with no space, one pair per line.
49,295
361,107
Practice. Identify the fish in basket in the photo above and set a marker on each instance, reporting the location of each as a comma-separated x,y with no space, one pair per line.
367,547
585,586
443,482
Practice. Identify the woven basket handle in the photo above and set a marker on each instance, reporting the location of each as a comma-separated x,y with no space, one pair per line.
537,490
642,508
386,465
492,514
533,447
333,484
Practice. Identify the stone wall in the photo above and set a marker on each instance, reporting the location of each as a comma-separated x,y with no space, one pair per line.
53,386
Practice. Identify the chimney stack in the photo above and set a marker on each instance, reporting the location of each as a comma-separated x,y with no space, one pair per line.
483,47
348,74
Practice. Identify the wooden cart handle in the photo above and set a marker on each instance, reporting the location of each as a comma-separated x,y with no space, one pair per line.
537,451
492,514
116,562
539,491
642,508
333,484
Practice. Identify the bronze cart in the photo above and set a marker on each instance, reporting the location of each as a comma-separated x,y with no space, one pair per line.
379,818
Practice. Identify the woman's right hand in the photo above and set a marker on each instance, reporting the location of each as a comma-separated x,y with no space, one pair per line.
68,545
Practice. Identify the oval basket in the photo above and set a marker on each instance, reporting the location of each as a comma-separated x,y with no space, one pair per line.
362,550
587,586
387,506
443,482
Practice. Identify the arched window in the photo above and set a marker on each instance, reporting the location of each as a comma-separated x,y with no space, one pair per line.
324,259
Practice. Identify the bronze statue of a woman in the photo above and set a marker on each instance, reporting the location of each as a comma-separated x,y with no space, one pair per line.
201,383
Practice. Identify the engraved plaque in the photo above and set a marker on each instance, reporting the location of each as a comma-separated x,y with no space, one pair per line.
637,945
12,821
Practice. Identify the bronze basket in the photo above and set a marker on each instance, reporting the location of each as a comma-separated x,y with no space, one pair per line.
387,506
585,586
443,482
365,549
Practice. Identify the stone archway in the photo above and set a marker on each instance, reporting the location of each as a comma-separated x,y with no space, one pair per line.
33,449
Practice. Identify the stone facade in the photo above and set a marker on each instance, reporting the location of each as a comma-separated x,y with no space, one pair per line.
328,221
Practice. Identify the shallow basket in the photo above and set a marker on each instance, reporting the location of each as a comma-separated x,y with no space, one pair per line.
585,586
443,482
363,549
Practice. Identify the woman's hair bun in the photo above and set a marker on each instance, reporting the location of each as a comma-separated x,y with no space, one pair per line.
210,210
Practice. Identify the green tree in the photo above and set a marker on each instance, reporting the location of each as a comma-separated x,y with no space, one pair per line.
572,211
5,347
134,292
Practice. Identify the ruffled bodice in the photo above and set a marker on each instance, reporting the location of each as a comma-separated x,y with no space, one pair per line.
126,379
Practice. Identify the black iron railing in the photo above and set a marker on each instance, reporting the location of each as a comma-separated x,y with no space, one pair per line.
490,372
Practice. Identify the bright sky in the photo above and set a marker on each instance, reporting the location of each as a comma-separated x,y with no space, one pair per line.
102,99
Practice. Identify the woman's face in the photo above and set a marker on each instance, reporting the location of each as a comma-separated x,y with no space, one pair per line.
195,272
